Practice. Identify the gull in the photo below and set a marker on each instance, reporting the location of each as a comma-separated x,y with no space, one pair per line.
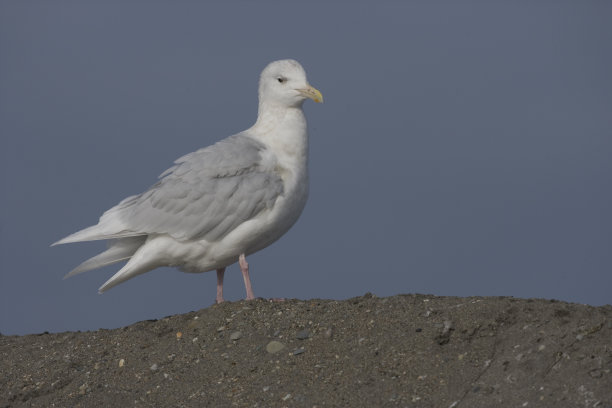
221,203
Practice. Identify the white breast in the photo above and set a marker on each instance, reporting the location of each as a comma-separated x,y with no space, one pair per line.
287,154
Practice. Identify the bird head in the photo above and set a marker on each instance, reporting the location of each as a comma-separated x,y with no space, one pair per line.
284,83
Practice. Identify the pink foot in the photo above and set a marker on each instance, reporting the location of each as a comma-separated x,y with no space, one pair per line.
220,273
244,267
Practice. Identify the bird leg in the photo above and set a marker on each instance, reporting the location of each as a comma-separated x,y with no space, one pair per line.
220,273
244,267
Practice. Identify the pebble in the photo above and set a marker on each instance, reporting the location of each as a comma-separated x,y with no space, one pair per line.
596,373
302,334
448,326
83,389
329,333
274,347
121,363
236,335
298,351
154,367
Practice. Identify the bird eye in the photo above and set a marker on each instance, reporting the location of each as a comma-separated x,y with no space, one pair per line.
281,80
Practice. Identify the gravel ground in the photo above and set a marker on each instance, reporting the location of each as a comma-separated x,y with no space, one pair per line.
404,351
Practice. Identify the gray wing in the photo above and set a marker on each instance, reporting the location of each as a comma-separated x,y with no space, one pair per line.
207,193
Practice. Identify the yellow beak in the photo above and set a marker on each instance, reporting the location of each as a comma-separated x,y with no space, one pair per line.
312,93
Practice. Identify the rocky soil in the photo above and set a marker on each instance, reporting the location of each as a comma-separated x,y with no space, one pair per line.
401,351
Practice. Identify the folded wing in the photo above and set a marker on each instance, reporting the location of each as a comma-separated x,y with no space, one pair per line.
205,195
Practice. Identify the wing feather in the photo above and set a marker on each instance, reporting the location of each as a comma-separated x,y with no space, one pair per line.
206,194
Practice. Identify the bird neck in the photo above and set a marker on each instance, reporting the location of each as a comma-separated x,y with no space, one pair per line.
270,116
284,128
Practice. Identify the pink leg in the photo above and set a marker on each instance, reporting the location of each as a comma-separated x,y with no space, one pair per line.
220,273
244,267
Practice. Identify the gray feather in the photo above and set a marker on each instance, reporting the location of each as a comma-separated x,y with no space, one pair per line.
206,194
119,250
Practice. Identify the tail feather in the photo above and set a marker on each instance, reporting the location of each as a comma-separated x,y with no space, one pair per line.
152,254
119,250
96,233
127,272
110,226
142,261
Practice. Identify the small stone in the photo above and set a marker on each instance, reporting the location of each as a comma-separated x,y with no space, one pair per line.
266,388
236,335
274,347
154,367
298,351
286,397
220,329
444,336
121,363
179,335
329,333
302,334
596,373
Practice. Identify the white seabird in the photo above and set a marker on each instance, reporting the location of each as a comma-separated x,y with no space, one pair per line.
221,203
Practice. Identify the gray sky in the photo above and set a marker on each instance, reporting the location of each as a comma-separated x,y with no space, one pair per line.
464,148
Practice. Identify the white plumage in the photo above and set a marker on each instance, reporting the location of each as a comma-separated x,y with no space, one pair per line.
220,203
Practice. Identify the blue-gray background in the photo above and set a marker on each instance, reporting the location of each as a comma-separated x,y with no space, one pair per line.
464,148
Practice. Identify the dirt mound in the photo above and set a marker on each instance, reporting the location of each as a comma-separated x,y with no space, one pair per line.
406,351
